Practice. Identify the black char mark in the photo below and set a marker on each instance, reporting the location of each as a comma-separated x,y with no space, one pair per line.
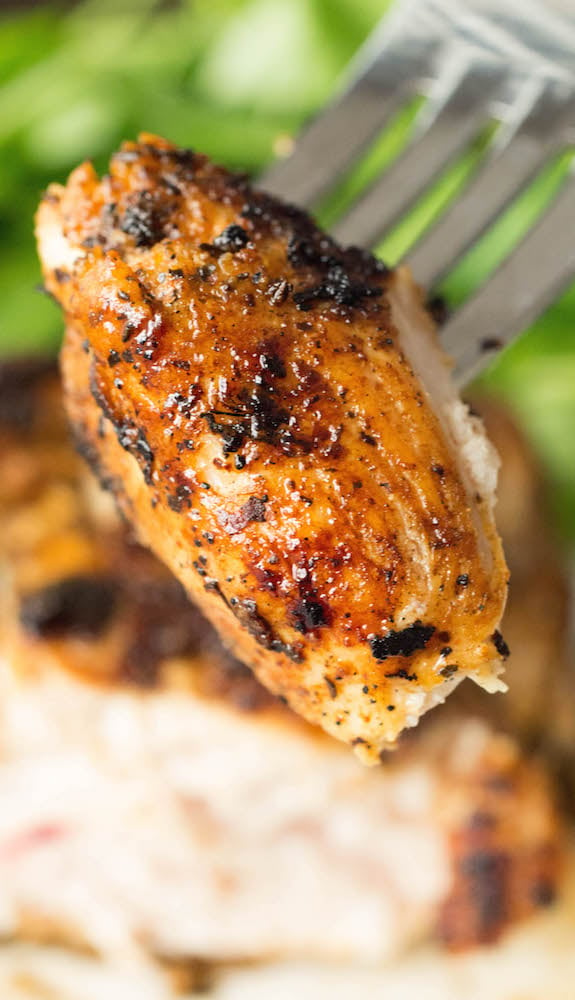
232,239
248,616
184,404
309,614
180,499
337,287
402,643
500,644
78,605
403,674
232,434
255,416
133,440
130,437
144,219
342,274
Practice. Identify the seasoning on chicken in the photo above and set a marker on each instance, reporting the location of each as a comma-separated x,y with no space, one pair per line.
223,827
276,418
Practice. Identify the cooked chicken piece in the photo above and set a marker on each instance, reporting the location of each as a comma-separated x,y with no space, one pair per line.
276,418
535,961
154,799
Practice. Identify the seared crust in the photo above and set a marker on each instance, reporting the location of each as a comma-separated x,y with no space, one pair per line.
236,376
244,381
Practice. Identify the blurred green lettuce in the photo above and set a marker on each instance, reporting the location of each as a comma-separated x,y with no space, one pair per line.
230,77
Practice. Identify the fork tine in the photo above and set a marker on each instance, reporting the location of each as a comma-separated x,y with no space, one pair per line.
539,269
514,163
386,70
445,130
331,143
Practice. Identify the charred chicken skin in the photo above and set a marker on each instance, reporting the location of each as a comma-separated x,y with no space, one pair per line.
275,417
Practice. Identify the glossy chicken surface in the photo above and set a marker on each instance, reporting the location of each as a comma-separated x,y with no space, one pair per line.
276,419
223,826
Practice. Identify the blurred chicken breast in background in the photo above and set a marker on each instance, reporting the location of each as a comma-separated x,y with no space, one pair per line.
535,961
162,804
276,419
540,672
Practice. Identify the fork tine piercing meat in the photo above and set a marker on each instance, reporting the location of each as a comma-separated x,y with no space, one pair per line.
276,419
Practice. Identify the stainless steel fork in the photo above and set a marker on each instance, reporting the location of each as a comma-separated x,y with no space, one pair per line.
509,62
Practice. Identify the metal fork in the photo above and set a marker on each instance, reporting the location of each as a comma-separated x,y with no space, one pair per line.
511,62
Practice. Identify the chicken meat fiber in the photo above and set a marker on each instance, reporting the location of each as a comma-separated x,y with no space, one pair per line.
275,417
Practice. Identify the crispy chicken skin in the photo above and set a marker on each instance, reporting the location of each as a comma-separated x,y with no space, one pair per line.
276,419
225,827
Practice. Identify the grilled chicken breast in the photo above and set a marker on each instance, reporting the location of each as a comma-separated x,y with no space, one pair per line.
535,961
156,800
275,417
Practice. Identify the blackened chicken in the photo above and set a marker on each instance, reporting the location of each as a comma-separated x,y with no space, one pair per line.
276,418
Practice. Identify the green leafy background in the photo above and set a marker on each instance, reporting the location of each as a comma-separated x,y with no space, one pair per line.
232,78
